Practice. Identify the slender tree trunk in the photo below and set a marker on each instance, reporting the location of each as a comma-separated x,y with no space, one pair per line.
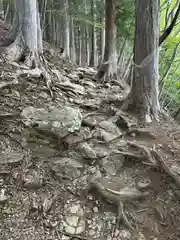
108,68
79,46
9,10
66,29
86,35
72,41
121,52
93,60
143,97
102,35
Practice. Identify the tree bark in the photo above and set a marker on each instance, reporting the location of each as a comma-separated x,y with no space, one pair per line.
108,68
143,97
26,34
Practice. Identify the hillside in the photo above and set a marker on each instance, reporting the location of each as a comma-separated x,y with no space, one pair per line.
70,158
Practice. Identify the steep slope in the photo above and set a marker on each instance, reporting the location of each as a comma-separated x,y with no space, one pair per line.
70,158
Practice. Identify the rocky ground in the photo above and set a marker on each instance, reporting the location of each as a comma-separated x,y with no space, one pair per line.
74,166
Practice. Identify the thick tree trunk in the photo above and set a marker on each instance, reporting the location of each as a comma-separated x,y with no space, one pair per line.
27,36
108,68
143,96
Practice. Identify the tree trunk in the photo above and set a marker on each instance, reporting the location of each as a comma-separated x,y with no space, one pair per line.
93,60
72,41
108,68
86,34
66,29
102,36
143,97
79,46
27,36
9,10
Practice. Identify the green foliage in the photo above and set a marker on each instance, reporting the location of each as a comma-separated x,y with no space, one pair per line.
125,18
170,59
171,42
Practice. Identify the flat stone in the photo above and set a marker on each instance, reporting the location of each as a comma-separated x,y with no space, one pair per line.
86,151
66,166
77,209
10,157
113,163
95,209
59,121
124,235
72,220
74,225
109,130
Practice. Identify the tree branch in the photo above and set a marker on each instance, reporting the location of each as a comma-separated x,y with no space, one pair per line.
169,29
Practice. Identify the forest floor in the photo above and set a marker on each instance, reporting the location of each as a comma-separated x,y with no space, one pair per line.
72,188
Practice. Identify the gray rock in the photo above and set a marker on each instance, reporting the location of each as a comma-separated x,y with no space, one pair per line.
66,167
10,157
59,121
3,197
76,137
125,235
108,166
86,151
74,222
109,130
143,184
112,163
33,180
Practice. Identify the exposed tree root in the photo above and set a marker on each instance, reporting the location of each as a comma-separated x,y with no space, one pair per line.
145,151
155,160
106,73
144,112
165,167
122,217
7,84
131,155
117,198
141,133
